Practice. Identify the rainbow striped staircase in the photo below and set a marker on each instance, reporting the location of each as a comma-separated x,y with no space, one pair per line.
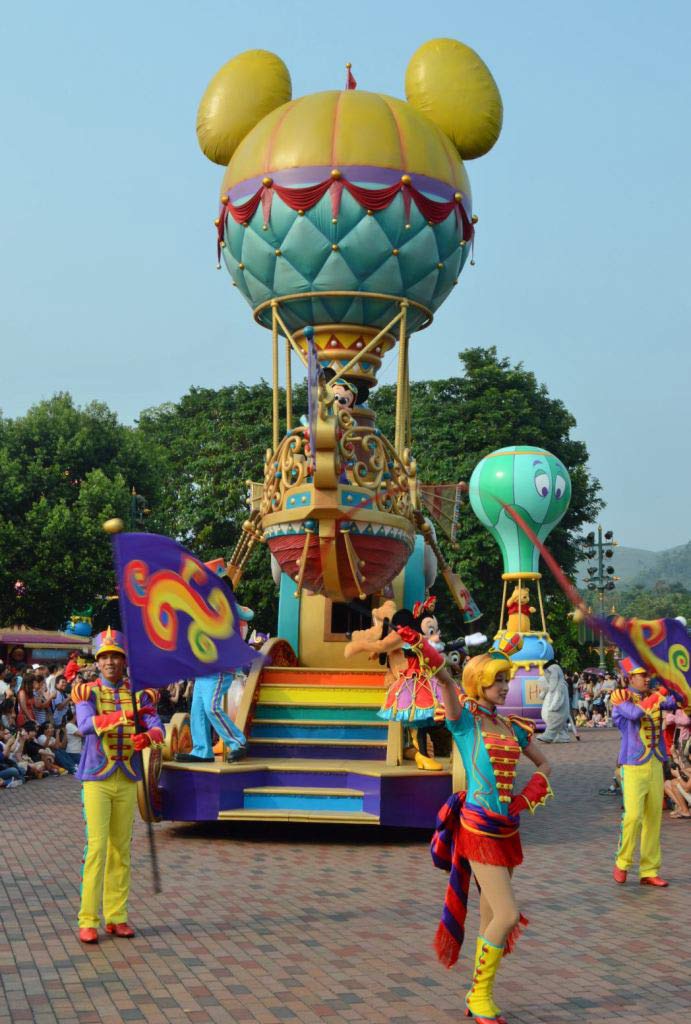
316,752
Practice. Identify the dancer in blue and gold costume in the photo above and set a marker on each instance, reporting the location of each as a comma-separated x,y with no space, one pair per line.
110,768
478,830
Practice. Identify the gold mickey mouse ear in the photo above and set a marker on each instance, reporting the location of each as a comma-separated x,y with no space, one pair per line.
237,98
449,82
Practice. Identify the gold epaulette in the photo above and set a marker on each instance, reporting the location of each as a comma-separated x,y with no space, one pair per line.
151,694
81,692
526,724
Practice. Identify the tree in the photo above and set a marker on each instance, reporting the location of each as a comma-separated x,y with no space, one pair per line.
455,423
64,470
663,601
212,443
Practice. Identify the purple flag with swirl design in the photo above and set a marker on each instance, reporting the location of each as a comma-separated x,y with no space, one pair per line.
662,646
179,618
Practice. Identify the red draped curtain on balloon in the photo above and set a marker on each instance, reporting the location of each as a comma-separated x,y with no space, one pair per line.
300,199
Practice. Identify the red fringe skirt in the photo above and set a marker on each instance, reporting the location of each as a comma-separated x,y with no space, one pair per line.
504,852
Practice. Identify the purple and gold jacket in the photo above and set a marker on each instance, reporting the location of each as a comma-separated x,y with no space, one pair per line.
639,719
104,752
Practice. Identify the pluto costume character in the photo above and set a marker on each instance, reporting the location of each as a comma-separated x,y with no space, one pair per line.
637,713
110,768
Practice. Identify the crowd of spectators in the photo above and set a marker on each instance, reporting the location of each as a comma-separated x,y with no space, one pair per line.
39,738
38,734
591,694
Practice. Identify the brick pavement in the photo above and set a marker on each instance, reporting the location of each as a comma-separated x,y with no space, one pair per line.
263,924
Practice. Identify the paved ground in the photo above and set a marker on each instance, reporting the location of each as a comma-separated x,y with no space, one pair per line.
267,924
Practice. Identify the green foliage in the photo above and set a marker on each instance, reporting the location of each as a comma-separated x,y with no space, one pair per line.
64,471
211,443
663,601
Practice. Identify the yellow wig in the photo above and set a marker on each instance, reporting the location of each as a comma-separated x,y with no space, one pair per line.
480,672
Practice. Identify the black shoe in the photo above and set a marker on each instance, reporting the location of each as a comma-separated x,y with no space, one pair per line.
193,759
236,755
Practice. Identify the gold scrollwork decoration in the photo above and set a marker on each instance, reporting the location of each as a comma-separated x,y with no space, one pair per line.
370,460
285,470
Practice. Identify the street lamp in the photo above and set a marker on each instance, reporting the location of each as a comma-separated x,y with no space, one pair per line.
138,510
600,576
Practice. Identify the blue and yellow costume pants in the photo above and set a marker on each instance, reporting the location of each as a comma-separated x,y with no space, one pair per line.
207,710
643,791
109,816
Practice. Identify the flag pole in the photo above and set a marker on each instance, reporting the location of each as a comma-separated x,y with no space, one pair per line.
153,852
113,527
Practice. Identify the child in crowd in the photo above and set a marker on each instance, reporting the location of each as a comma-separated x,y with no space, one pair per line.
11,774
48,741
35,767
678,789
73,740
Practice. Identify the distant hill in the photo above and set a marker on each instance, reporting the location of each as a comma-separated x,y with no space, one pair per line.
637,567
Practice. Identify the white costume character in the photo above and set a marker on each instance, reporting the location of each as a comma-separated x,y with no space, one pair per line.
556,712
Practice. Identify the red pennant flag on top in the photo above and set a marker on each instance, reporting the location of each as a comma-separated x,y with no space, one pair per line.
350,79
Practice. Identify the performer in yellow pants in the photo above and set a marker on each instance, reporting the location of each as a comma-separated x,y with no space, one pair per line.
109,815
637,713
110,767
643,788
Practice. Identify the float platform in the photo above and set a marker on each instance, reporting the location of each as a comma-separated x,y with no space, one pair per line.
317,751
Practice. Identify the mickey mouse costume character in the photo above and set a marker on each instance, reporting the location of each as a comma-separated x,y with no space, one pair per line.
478,830
109,768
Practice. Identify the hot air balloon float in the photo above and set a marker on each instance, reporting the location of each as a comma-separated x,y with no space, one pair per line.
536,485
345,221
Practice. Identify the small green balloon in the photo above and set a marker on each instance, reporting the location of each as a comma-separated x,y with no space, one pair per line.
534,483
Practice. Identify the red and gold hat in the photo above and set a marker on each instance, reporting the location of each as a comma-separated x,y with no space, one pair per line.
631,668
109,640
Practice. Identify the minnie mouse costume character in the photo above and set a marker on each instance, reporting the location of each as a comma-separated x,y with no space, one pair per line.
413,652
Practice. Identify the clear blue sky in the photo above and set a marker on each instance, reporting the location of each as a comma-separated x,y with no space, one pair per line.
107,279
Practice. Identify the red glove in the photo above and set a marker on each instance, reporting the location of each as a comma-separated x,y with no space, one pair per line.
140,740
534,793
434,658
111,721
409,635
649,702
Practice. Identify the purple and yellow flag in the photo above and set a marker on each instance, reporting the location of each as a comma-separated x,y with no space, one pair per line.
180,620
662,646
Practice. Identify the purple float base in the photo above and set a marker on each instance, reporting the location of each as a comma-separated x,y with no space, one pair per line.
524,698
407,800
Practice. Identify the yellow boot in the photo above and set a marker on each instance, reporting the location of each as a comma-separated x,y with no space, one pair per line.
424,763
478,1000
